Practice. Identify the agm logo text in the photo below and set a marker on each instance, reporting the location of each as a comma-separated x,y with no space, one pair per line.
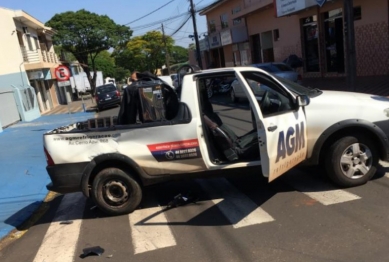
290,143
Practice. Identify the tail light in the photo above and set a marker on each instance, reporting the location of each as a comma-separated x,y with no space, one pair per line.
49,160
117,93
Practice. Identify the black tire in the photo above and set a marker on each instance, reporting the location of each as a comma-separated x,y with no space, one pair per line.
351,161
116,192
234,99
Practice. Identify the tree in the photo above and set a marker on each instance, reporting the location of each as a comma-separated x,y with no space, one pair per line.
85,35
105,63
144,52
179,54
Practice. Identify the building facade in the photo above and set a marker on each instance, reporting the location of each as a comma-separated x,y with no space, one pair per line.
27,68
243,32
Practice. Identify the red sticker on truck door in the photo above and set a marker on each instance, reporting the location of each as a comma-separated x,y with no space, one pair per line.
176,150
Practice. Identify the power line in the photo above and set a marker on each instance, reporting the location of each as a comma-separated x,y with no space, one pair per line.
159,8
157,22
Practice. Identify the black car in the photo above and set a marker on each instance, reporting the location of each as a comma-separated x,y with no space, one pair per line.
107,95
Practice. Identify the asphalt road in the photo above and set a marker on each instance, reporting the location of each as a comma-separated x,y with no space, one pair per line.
300,216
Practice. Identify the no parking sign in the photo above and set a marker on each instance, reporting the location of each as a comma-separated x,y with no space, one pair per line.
62,73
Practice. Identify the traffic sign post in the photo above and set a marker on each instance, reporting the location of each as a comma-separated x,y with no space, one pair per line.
62,73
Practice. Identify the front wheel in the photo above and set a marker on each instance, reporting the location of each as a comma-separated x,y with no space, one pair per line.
352,161
116,192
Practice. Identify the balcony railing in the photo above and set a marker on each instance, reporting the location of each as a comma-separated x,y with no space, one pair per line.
38,56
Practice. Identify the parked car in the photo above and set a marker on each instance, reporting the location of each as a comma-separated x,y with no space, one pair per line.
278,69
106,96
281,70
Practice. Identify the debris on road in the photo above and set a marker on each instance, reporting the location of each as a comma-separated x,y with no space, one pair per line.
66,222
92,251
181,200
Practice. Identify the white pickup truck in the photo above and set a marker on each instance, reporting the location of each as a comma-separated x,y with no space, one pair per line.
160,135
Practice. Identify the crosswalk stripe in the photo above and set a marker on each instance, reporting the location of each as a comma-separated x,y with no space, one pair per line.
239,209
323,192
149,230
59,243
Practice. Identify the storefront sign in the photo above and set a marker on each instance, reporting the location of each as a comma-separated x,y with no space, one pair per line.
214,40
239,34
225,37
204,44
286,7
35,75
63,83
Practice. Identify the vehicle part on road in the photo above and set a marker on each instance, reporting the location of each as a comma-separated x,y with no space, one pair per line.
66,222
92,251
180,200
116,192
352,161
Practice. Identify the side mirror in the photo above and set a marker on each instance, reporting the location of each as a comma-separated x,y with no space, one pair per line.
303,100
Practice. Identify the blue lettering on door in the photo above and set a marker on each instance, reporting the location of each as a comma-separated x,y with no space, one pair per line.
290,143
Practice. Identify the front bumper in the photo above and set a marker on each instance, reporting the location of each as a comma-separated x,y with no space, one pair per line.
110,102
66,178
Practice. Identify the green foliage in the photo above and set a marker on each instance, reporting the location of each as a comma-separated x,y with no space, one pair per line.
86,34
178,54
144,53
67,55
105,63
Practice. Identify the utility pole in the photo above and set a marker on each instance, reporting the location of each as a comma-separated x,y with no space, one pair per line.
166,51
196,37
351,62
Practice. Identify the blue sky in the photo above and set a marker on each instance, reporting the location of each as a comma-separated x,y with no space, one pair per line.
123,12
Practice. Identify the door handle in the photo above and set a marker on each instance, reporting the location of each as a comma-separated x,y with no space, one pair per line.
271,128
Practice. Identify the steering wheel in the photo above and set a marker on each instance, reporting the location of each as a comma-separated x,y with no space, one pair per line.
265,101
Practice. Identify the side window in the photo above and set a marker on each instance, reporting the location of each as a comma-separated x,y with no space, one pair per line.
270,96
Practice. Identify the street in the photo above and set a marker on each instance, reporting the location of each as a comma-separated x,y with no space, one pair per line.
300,216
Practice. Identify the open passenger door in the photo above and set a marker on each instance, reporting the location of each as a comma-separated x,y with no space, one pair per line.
280,121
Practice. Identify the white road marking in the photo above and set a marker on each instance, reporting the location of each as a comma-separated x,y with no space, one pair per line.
60,241
322,192
385,164
240,210
153,236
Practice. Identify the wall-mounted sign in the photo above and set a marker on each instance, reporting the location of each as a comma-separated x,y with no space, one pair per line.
35,74
204,44
214,40
62,73
225,37
286,7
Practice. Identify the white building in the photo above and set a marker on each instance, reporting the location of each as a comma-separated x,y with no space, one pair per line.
27,64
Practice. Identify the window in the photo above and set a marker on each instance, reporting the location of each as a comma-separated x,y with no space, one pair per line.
237,21
235,10
224,20
29,42
357,13
20,38
212,26
272,99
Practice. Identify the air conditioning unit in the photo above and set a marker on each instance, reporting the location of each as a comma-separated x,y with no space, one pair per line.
25,30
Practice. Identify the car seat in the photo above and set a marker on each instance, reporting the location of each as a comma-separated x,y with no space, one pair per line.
233,147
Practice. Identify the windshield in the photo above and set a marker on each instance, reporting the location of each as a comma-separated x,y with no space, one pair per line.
105,89
299,89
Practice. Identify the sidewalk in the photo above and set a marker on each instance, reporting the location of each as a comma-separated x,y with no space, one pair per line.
377,85
23,164
23,168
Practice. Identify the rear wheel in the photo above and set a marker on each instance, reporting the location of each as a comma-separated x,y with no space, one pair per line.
352,161
116,192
